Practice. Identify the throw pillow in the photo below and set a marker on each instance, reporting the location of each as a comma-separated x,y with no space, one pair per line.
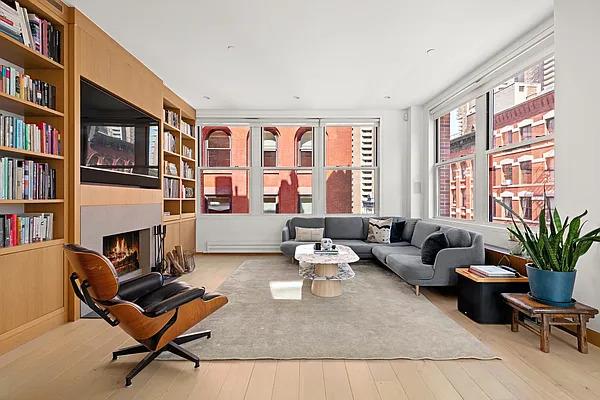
396,232
379,230
458,238
309,234
432,245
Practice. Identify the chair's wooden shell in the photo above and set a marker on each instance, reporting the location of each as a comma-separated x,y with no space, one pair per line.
101,276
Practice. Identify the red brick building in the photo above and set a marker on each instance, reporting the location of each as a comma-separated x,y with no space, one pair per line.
287,177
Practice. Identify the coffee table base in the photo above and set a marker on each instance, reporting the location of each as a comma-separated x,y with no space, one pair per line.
328,287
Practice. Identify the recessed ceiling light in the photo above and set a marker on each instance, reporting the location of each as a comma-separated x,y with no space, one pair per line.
296,97
206,97
230,46
387,97
429,51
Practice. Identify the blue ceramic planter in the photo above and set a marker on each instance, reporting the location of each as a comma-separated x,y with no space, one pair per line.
551,286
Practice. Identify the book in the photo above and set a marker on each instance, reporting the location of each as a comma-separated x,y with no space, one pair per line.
25,228
491,271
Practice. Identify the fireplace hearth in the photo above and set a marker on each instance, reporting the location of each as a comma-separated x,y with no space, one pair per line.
123,251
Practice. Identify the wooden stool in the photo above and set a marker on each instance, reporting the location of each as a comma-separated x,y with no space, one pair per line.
547,316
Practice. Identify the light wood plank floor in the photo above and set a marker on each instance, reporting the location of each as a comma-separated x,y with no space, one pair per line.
73,362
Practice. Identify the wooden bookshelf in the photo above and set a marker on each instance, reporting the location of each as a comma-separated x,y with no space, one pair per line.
38,264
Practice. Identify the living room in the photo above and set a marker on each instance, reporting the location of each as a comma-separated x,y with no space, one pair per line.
299,200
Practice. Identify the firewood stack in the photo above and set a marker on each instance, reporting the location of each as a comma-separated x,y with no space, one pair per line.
177,264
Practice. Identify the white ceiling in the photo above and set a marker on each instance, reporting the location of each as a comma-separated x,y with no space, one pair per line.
333,54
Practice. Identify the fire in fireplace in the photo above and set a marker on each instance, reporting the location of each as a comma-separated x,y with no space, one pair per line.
123,251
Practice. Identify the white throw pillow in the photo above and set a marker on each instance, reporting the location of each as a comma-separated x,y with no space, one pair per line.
309,234
379,230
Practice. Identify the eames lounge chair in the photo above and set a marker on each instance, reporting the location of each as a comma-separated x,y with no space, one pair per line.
150,311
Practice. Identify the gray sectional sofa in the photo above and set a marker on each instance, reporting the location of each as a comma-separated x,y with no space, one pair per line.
403,257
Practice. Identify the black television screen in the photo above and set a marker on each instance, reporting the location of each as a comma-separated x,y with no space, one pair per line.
119,142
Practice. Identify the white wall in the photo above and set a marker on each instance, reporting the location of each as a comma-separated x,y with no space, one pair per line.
258,233
577,32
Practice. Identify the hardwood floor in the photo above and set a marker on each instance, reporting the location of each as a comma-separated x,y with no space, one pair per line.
73,362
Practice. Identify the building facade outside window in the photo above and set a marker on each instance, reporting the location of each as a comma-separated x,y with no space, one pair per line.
455,134
337,160
224,184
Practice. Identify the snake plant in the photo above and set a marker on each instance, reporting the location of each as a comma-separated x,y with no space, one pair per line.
558,244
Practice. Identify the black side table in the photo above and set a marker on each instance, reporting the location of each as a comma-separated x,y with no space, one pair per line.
479,297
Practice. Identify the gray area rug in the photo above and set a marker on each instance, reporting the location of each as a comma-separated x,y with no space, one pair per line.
273,315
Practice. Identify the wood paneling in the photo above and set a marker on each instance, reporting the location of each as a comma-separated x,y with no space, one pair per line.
32,286
96,195
172,237
188,234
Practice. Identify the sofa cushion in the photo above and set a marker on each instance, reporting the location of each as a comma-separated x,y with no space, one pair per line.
410,268
309,234
432,245
422,230
381,252
409,228
304,222
361,248
289,248
344,228
379,230
458,237
396,232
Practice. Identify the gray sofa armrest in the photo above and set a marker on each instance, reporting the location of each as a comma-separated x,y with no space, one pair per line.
449,259
285,234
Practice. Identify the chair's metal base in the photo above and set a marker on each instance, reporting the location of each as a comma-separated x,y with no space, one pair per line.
173,347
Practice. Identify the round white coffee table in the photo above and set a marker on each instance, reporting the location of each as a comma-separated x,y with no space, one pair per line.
327,271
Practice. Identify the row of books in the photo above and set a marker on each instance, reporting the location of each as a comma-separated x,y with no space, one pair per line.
21,85
187,151
28,28
171,188
172,118
170,142
26,180
186,128
18,229
187,171
40,137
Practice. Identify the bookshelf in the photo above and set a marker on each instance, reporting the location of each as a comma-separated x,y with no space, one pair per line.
179,161
38,264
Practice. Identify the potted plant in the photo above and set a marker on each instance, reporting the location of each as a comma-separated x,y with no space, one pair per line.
554,251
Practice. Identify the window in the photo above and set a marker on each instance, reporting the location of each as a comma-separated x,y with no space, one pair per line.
351,169
304,144
287,176
270,137
225,170
455,133
526,206
525,172
523,103
507,200
218,148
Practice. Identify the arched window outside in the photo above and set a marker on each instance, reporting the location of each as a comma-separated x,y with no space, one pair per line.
270,147
218,149
304,145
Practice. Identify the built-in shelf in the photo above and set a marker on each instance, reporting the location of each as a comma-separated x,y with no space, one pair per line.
41,201
31,154
170,128
189,179
188,137
172,198
188,159
171,176
188,198
170,153
30,246
168,218
188,215
19,54
27,108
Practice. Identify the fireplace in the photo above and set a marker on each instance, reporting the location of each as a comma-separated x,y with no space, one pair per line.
123,251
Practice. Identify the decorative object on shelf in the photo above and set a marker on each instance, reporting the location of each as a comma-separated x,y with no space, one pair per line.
554,252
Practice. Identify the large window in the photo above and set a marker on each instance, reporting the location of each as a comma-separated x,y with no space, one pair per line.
310,166
224,178
455,138
350,169
287,176
522,110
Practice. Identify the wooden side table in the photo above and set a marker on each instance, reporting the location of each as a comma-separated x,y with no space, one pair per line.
479,297
547,316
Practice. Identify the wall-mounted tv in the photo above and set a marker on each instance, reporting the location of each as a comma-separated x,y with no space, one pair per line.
119,142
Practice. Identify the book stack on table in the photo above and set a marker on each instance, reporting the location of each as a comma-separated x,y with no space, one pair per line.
492,271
